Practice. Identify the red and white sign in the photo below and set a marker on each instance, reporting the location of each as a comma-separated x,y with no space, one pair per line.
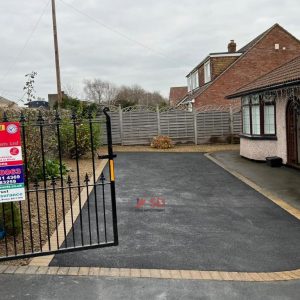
11,163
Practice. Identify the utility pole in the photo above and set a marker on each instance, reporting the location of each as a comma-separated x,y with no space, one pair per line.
58,80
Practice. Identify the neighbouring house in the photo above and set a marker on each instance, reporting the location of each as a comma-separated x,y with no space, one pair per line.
38,104
177,94
5,103
220,74
271,115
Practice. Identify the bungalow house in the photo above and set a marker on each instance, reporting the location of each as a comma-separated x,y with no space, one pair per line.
220,74
271,115
7,104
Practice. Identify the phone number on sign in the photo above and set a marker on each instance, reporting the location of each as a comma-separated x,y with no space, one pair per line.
13,181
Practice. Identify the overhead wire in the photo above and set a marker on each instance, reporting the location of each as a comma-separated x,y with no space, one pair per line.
116,31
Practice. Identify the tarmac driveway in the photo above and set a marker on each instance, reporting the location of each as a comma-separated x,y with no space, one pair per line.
212,221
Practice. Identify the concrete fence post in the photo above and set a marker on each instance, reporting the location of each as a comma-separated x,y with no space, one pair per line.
121,123
231,124
195,127
158,120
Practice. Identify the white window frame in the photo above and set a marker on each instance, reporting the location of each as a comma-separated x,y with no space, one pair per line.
207,72
193,81
259,116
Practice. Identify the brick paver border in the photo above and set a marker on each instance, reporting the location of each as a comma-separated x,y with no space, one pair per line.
153,273
40,265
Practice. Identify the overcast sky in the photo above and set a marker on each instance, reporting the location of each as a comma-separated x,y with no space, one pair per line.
150,43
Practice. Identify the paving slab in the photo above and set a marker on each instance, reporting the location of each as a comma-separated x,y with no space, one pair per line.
212,221
283,181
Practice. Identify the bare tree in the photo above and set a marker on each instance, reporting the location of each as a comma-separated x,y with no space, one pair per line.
72,91
29,86
100,91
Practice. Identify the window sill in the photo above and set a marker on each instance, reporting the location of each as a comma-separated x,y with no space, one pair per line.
259,137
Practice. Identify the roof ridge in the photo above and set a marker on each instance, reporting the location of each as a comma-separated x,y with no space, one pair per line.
257,40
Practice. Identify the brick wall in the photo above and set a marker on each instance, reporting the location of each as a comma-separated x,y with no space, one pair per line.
260,60
219,64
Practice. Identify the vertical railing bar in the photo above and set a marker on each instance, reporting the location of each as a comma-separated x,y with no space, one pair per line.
94,177
13,226
71,208
88,206
4,226
74,118
40,124
57,119
102,178
112,179
22,227
22,121
53,183
36,185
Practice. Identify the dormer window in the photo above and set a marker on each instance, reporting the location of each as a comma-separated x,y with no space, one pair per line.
207,73
193,81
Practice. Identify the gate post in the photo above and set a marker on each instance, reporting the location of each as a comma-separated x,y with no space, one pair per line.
121,123
231,124
158,120
195,127
112,175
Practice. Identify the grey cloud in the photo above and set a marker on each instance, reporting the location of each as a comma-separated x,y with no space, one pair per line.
184,31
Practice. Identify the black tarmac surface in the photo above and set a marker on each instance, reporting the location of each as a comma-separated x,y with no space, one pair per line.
212,221
36,287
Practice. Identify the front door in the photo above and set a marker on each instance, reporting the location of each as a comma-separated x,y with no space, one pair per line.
293,133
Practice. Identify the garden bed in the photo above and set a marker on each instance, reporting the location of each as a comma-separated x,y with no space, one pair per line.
38,200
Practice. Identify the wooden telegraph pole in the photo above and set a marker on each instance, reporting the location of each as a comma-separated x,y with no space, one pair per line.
58,80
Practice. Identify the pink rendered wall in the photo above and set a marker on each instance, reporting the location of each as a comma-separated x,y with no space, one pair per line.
260,149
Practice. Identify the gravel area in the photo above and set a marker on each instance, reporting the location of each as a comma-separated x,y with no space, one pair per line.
55,209
178,148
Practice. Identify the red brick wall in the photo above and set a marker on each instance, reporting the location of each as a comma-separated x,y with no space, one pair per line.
219,64
201,75
260,60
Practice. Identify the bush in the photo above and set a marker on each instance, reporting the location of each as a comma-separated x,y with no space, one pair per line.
52,169
162,142
9,228
68,144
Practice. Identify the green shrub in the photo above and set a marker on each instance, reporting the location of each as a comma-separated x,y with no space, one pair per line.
12,224
52,169
83,135
162,142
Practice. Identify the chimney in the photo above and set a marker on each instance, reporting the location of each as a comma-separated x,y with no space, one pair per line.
232,46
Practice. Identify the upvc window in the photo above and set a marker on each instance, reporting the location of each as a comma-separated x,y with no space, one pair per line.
189,83
246,115
207,73
259,115
255,113
193,81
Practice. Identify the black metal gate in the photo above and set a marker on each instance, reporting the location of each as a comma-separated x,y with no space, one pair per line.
70,201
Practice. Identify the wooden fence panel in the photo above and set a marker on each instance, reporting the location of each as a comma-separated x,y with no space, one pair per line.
139,126
178,125
213,127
